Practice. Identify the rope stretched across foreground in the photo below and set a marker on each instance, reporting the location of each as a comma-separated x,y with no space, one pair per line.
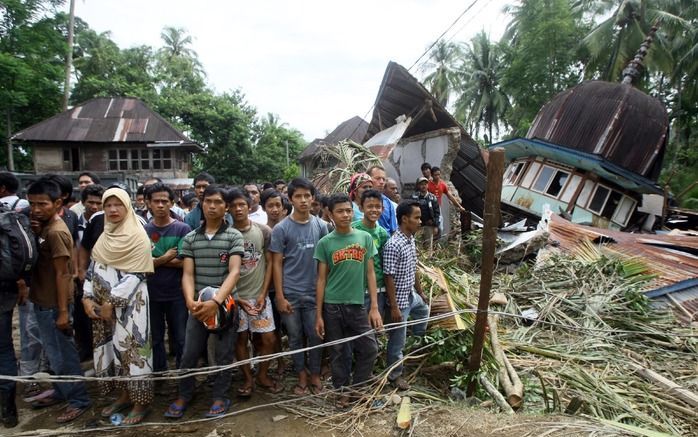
185,373
295,399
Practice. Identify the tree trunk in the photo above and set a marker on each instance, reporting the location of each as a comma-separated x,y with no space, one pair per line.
69,55
10,155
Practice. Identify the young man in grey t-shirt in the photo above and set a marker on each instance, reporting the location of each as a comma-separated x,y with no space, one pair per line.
293,243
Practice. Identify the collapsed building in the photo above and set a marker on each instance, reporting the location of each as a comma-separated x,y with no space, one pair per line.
593,153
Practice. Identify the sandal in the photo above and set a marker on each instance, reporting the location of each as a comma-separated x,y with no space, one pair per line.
70,414
316,389
245,391
175,411
218,410
45,402
274,388
135,418
115,407
300,390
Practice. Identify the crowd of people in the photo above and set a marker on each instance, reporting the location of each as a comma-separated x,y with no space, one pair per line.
214,276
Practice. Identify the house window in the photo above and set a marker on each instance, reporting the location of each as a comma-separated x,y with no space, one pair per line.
585,193
530,175
611,204
624,210
550,181
557,183
145,159
598,200
571,188
514,173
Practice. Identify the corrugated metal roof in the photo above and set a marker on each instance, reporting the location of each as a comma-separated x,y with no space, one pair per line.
353,129
107,120
401,93
615,121
672,258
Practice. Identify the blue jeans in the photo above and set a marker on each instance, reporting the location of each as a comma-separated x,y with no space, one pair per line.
32,358
300,325
175,313
396,337
62,356
8,361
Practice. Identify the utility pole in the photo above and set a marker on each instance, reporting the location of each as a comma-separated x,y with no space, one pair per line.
287,161
69,57
10,156
493,198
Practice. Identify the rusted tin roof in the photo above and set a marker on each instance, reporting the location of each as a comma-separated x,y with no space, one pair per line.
615,121
353,129
672,258
401,93
107,120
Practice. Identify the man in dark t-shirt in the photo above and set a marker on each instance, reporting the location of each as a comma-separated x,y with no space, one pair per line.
165,284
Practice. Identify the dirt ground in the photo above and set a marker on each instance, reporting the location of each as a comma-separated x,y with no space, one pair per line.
255,417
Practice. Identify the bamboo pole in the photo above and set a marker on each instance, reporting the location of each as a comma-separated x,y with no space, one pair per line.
493,195
668,385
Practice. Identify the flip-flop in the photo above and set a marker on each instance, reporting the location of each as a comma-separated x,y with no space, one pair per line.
40,395
245,392
137,416
45,402
274,388
175,411
300,390
115,407
219,410
70,414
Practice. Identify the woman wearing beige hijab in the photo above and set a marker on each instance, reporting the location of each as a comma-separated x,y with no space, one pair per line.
117,300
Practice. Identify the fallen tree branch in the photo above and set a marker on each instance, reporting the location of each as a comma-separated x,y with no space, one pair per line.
495,394
508,378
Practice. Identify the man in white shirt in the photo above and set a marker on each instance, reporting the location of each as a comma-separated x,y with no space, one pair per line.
9,185
84,179
256,214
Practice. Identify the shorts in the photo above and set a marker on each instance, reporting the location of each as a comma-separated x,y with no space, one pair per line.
261,323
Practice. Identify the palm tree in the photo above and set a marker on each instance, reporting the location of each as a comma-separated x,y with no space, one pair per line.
442,65
482,103
177,43
614,41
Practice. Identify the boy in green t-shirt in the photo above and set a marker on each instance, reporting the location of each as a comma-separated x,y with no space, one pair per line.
372,207
345,270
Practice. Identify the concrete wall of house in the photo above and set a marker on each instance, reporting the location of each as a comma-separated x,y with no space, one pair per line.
96,158
48,159
437,148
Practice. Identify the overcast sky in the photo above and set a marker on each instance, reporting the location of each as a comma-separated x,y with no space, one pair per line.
313,63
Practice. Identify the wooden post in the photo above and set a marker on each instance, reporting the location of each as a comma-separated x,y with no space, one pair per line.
493,196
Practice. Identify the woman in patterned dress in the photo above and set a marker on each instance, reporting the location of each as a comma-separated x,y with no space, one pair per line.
116,298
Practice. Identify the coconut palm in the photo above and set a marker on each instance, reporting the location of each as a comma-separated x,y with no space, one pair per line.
614,41
442,66
483,103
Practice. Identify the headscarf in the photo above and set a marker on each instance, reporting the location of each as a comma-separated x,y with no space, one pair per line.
356,181
124,245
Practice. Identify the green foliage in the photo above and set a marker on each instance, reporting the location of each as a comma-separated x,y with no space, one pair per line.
542,56
31,68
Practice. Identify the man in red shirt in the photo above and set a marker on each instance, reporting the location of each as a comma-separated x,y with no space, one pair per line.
438,188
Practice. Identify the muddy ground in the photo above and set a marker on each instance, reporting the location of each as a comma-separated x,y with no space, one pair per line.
256,417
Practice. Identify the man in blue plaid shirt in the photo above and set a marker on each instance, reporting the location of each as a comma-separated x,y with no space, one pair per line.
405,295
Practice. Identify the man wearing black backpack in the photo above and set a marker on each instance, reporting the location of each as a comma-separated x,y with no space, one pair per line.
9,185
17,251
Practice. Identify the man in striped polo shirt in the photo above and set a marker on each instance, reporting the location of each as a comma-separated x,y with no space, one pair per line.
212,257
